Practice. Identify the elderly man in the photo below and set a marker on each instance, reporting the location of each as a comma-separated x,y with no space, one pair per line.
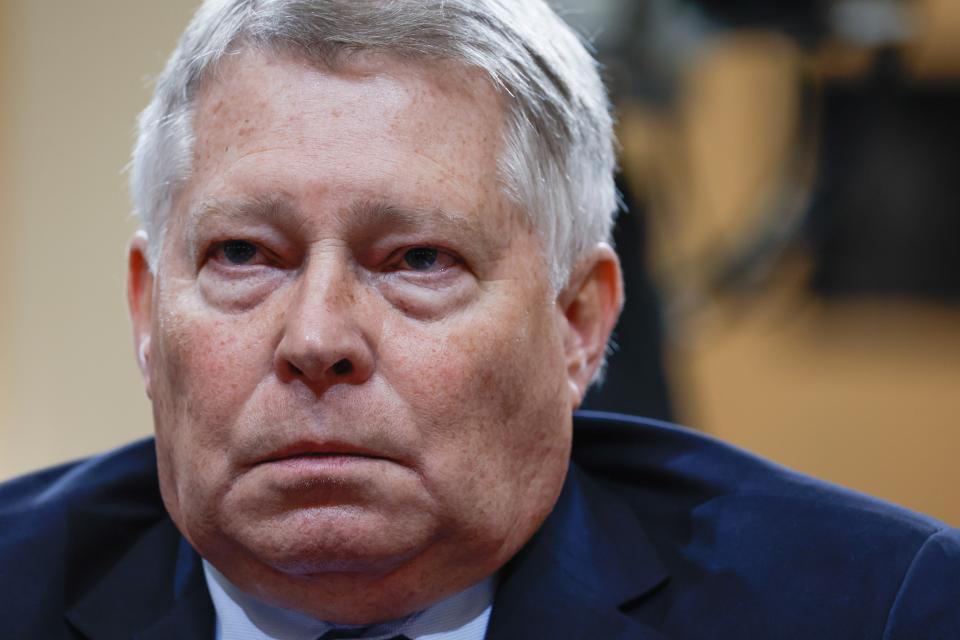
373,285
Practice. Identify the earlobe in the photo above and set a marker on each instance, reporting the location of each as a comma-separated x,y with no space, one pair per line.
140,302
143,353
591,304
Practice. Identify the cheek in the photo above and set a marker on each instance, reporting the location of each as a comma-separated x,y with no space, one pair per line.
453,371
205,369
209,358
499,436
205,366
505,365
488,398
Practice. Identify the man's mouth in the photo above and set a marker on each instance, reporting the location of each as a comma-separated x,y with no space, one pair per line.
321,452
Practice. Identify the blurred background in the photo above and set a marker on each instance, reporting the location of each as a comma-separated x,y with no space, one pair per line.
792,172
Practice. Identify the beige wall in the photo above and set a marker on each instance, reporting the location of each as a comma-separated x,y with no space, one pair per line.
5,216
74,77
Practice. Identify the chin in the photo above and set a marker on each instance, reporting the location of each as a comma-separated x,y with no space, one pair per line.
331,541
315,559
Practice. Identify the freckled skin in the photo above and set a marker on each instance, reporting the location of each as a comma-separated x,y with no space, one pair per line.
464,387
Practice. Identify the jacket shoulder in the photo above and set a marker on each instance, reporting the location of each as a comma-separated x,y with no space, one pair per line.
61,527
122,483
674,467
762,546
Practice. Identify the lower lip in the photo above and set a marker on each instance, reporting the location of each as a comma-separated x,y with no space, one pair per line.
312,480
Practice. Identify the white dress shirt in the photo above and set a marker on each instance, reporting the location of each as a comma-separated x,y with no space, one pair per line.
462,616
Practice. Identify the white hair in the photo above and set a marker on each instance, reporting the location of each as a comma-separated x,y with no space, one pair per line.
558,155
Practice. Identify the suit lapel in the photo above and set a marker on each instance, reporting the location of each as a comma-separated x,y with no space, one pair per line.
588,560
156,590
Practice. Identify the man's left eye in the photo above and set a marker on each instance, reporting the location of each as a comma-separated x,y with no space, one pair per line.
239,252
426,260
421,258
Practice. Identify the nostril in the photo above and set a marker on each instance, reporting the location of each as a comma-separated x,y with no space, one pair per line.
342,367
295,370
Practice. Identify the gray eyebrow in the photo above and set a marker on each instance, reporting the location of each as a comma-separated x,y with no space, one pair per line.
363,213
270,207
370,213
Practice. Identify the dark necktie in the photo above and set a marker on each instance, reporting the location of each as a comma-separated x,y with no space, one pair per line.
350,634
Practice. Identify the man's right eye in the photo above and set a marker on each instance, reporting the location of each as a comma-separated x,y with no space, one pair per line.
238,252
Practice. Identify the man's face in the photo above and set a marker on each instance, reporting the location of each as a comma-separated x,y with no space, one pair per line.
358,369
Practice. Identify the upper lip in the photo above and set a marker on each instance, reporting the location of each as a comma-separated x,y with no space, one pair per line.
308,448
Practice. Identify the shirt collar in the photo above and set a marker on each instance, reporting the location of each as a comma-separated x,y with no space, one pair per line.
462,616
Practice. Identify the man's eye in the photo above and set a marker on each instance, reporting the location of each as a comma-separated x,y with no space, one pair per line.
239,251
421,258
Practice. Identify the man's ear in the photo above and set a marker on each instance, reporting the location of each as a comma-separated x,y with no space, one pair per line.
591,304
140,301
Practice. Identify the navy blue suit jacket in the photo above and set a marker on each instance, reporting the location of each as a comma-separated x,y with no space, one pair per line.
659,533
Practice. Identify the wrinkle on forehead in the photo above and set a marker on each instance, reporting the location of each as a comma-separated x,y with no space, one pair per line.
399,90
403,79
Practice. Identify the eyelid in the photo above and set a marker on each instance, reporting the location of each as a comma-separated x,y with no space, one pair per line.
215,230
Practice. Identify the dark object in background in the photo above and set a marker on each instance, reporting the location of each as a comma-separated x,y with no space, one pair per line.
635,382
804,20
885,218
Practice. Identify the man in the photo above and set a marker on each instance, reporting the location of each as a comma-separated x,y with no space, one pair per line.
373,285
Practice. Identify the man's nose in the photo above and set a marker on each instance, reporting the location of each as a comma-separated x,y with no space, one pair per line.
323,342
